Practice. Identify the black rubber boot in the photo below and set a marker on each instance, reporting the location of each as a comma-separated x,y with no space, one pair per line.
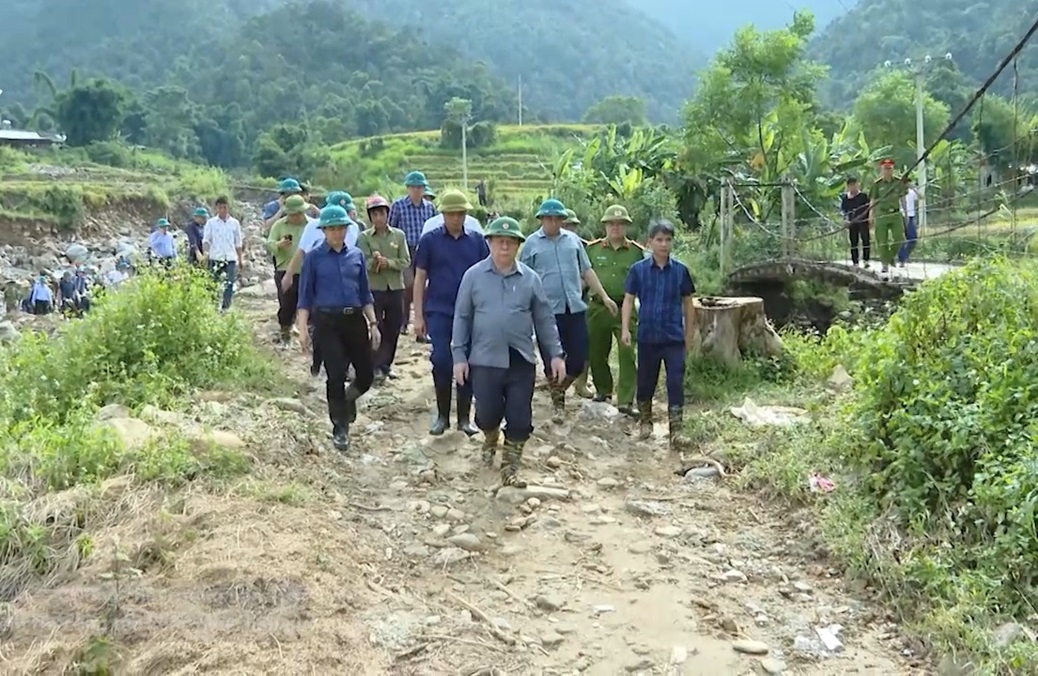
338,412
465,415
442,421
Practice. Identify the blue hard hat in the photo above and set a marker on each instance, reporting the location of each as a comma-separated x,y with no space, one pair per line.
333,216
552,207
289,185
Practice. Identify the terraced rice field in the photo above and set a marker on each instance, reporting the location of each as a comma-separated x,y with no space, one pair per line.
518,165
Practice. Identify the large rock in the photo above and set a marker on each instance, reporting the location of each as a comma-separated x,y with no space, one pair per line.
8,333
131,433
77,253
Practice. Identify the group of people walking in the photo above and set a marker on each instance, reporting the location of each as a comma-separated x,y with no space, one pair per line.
489,300
889,209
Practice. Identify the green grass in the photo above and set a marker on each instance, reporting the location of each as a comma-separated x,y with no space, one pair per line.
517,166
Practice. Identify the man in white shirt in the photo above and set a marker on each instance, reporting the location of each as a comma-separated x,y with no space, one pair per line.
222,245
471,224
909,209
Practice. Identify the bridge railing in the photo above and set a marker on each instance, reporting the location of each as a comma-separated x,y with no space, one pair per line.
794,227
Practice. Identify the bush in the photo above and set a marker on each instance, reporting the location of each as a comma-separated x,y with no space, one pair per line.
158,337
933,457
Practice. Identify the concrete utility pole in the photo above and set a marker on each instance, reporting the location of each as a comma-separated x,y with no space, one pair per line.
460,111
918,71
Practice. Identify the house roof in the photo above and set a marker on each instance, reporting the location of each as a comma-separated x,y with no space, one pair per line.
22,135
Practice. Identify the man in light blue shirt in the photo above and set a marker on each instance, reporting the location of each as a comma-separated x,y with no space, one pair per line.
161,246
41,298
559,258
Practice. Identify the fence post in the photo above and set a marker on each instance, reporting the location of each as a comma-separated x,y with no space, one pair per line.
788,218
722,230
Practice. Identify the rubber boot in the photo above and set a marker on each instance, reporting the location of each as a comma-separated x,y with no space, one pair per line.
489,448
675,427
558,400
442,421
645,419
511,461
338,412
352,395
465,415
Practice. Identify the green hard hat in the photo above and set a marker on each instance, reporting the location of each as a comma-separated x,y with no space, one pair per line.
339,198
505,227
289,186
571,217
333,217
416,179
551,207
201,212
429,192
453,201
616,212
295,204
162,223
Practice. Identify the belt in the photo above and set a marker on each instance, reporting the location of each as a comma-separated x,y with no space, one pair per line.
340,311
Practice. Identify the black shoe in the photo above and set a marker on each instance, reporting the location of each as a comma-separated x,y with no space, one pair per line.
341,437
339,413
286,335
601,398
628,410
442,422
465,416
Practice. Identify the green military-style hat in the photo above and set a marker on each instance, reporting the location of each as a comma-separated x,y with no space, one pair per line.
505,227
416,179
161,223
295,204
340,198
429,192
571,218
453,201
616,212
201,212
289,186
333,217
551,207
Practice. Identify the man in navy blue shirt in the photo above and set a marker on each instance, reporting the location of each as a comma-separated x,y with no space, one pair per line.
333,286
441,259
195,230
663,288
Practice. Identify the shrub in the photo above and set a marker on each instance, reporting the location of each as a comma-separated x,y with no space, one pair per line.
154,339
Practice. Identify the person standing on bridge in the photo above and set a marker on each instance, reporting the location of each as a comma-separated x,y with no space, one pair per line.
612,259
559,258
385,249
409,214
854,205
500,306
885,213
334,288
441,259
663,288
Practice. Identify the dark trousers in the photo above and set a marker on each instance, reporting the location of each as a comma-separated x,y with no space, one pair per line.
911,239
41,307
439,328
287,300
505,394
343,340
408,294
572,328
225,272
860,232
389,312
671,356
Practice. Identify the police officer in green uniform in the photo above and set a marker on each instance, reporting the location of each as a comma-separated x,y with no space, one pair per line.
885,212
580,384
611,258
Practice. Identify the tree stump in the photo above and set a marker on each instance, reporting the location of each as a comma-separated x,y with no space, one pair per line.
729,329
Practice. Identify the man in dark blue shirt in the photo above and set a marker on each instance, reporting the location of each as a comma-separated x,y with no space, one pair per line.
442,258
333,286
195,230
663,288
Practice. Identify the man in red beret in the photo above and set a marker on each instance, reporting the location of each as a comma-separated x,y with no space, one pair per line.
885,213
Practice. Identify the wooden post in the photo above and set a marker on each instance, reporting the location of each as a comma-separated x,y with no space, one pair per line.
788,218
722,225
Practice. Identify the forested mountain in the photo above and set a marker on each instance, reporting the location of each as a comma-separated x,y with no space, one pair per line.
569,54
976,32
707,27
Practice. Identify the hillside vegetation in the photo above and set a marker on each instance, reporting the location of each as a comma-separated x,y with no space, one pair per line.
517,165
977,34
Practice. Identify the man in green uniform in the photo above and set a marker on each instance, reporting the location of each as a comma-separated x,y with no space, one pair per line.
282,242
580,384
611,258
885,213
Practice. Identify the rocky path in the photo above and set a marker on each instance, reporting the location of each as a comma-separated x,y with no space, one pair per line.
402,558
612,564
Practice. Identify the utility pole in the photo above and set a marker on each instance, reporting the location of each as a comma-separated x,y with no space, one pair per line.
919,73
460,111
520,99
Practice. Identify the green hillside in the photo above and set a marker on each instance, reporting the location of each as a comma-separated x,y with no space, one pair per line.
517,165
